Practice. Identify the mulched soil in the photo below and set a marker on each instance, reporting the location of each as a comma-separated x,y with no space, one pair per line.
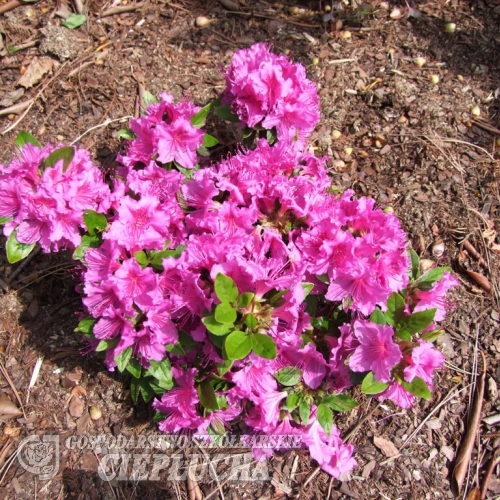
410,143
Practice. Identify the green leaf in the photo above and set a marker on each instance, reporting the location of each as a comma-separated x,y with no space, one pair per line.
275,298
304,412
74,21
126,133
237,345
94,222
25,138
308,287
403,335
175,349
66,154
323,278
134,389
312,305
225,288
415,263
271,136
225,313
203,151
340,402
147,99
123,358
207,397
325,418
86,326
251,321
213,326
427,280
106,344
378,317
87,242
199,119
225,113
245,299
432,335
141,258
186,341
223,368
292,401
417,387
209,141
288,376
134,368
161,370
395,309
263,346
157,257
4,220
372,386
158,417
416,322
17,251
147,392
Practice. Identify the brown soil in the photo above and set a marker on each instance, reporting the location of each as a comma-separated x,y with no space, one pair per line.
413,145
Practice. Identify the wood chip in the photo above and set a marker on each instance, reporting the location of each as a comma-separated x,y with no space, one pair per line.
385,446
11,97
35,72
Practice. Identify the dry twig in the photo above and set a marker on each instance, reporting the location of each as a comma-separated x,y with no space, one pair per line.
122,8
494,461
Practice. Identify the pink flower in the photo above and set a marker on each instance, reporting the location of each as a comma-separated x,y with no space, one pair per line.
424,359
436,297
376,352
398,394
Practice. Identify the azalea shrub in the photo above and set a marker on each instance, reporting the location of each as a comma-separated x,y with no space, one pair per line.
248,294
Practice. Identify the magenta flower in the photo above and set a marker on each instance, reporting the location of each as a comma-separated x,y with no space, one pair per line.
376,352
436,298
398,394
424,359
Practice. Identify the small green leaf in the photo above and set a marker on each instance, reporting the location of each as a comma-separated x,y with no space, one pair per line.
312,305
251,321
304,412
403,335
4,220
223,368
17,251
161,370
288,376
263,346
245,299
126,133
432,335
271,136
225,313
134,389
209,141
25,138
157,257
275,298
372,386
134,368
225,113
147,392
95,222
213,326
141,258
427,280
175,349
417,387
203,151
86,326
237,345
323,278
147,99
292,401
308,287
378,317
415,263
416,322
207,397
123,358
66,154
74,21
340,402
395,309
225,288
106,344
158,417
87,242
199,119
325,418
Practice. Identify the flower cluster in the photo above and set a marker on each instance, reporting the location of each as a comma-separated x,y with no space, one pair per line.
249,292
44,193
269,91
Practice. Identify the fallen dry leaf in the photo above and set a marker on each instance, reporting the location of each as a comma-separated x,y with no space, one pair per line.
11,97
7,408
481,280
385,446
76,406
474,494
35,72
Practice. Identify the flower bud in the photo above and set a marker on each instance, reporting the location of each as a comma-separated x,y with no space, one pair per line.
438,248
434,79
475,111
420,61
95,413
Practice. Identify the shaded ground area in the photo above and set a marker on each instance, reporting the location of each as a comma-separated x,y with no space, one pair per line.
403,133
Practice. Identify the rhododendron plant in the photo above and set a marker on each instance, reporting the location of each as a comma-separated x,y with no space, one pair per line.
249,292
